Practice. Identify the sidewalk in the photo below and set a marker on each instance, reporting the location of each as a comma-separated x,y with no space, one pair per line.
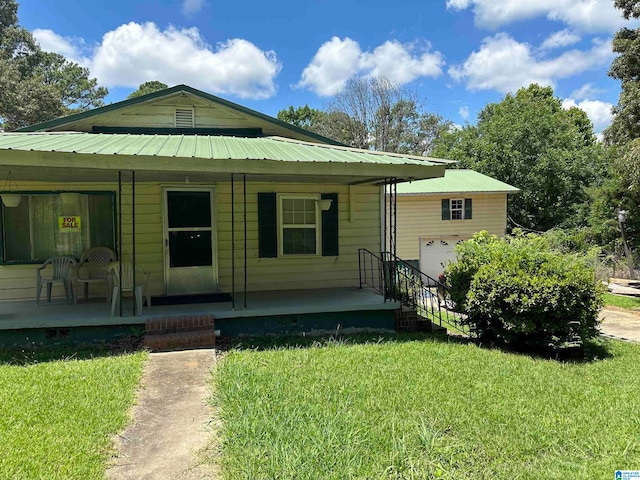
170,420
620,323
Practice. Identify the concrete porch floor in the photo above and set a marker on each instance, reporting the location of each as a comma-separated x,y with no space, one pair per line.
96,312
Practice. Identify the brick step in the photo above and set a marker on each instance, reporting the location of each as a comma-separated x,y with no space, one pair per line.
180,341
178,324
179,332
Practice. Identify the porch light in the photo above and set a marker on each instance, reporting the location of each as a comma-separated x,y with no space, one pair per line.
11,199
324,204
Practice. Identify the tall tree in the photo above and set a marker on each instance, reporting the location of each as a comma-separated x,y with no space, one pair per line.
528,140
37,85
148,87
621,190
626,68
373,114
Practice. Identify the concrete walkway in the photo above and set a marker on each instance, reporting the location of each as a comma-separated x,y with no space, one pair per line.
620,323
170,420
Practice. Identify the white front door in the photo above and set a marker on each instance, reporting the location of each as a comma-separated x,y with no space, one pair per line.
189,240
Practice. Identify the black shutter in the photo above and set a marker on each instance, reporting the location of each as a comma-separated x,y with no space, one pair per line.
330,226
267,225
446,215
467,209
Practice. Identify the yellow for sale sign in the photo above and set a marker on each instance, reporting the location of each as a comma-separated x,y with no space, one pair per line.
70,223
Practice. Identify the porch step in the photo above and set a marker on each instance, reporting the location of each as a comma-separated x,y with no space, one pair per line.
179,332
408,320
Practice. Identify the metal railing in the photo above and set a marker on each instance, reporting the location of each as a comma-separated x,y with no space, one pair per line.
397,280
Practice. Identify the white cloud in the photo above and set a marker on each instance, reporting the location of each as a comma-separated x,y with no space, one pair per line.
464,112
598,112
337,60
585,15
505,65
563,38
71,48
586,91
135,53
191,7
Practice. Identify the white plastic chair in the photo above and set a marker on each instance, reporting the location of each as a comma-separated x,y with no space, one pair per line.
94,268
125,283
63,272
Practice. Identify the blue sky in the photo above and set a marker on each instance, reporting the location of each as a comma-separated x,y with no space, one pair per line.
457,55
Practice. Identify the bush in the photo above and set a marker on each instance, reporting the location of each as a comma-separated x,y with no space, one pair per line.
520,291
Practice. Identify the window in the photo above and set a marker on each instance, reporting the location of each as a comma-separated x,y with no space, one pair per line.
299,224
307,228
42,226
457,209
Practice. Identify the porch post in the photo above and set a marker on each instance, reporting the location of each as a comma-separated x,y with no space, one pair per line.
244,199
133,239
120,240
233,248
393,200
384,217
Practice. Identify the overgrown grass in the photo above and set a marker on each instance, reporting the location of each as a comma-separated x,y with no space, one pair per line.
59,409
620,301
428,408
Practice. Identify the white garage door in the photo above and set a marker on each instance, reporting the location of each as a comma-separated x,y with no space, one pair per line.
435,253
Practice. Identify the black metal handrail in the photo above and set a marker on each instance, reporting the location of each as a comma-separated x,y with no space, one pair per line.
398,280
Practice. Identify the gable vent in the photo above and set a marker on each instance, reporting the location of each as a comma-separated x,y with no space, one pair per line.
184,118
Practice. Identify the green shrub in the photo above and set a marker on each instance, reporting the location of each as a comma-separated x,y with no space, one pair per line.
519,290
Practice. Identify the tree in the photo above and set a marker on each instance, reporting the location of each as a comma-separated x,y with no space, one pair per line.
372,114
528,140
38,85
148,87
626,68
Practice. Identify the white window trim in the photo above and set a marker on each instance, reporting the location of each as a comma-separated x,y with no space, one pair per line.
451,200
281,226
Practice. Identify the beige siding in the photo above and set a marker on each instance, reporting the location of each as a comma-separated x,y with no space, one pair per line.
297,273
160,114
358,228
421,216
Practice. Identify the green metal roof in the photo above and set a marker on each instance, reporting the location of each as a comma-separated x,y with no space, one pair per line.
57,122
456,181
202,147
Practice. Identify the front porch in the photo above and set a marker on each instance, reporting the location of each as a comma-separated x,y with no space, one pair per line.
273,312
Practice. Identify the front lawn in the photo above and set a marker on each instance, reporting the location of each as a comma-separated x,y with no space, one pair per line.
425,408
621,301
57,416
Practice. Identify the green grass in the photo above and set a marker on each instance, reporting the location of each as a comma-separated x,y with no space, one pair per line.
58,411
427,408
620,301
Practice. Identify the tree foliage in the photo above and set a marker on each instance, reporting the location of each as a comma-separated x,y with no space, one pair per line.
148,87
530,141
38,85
372,114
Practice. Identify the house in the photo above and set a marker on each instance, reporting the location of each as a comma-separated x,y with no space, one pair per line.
207,196
434,215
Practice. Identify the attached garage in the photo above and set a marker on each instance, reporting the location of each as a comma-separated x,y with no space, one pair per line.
435,253
435,214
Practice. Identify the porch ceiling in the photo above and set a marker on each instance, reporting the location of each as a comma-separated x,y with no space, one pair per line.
170,158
